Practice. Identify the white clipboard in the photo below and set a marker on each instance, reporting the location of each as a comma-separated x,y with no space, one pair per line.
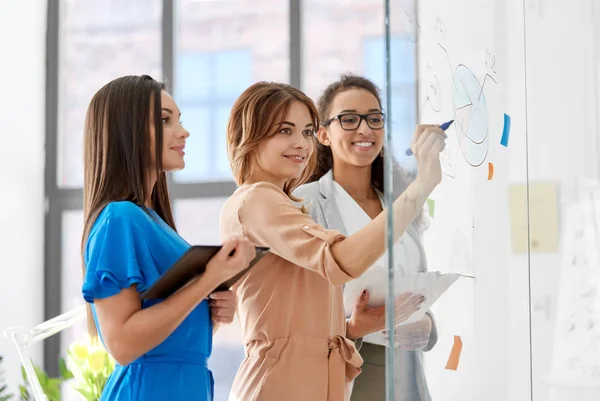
429,284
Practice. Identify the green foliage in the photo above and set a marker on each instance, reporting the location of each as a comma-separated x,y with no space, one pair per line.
50,385
4,395
89,368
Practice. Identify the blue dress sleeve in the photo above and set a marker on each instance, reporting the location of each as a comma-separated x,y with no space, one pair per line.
114,250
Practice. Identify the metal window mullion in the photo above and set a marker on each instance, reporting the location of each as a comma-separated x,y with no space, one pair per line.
295,50
168,51
52,220
202,190
168,42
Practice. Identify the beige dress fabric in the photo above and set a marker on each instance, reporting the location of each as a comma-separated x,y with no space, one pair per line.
290,305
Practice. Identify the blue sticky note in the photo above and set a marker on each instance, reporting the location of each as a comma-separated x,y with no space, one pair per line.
505,131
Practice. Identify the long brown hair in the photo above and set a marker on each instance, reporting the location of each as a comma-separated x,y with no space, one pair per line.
117,155
256,115
401,178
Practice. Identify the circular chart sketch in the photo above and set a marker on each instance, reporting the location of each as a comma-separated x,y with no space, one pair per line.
471,116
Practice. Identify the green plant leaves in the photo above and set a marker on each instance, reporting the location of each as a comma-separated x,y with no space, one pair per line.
4,396
50,385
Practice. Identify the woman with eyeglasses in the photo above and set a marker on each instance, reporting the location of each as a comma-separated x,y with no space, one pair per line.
290,304
346,195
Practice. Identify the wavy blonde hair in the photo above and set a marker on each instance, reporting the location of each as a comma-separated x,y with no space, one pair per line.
257,115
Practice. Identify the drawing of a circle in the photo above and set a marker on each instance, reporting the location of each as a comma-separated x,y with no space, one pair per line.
471,116
474,153
470,105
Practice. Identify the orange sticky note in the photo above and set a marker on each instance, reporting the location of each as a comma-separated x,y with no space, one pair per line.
490,171
455,354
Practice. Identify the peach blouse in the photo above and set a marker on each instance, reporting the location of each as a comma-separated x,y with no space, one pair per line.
290,305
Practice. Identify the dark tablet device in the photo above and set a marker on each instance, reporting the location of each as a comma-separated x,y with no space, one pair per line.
190,265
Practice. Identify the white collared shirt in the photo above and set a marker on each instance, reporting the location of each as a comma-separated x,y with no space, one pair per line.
407,256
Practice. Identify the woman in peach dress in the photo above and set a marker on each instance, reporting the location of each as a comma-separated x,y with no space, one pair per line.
290,305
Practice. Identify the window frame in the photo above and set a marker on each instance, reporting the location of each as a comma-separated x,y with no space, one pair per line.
212,100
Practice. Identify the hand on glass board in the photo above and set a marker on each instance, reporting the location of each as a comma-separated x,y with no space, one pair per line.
427,144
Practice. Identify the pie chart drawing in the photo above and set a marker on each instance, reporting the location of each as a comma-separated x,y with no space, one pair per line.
471,116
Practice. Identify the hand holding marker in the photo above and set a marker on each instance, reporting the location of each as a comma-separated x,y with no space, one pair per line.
444,127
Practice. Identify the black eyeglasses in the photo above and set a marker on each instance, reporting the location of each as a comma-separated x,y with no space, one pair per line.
350,122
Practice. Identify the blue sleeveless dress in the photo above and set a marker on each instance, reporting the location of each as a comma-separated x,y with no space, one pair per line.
128,246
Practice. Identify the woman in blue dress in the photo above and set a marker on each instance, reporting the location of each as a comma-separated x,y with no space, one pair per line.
133,136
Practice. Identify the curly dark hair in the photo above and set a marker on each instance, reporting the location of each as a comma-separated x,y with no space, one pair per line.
401,178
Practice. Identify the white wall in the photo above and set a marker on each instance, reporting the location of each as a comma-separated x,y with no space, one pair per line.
22,72
562,111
